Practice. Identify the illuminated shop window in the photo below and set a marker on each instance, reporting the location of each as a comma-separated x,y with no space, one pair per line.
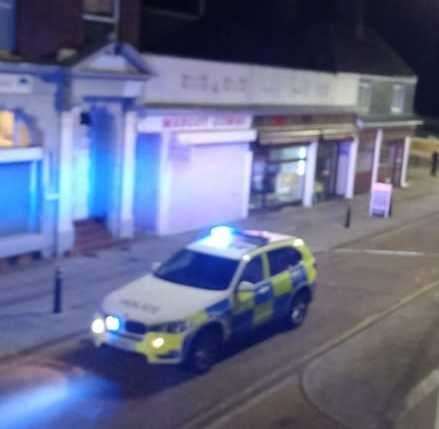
6,129
13,131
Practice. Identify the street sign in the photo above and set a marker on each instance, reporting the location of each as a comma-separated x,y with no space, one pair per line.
381,200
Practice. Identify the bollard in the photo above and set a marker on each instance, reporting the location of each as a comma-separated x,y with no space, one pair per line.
57,297
434,162
347,223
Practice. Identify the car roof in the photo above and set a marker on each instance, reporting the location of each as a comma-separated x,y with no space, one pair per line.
240,243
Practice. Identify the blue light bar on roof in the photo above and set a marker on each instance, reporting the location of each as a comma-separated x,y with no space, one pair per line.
221,237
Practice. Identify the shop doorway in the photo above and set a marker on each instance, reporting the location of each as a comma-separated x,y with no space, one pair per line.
332,170
391,159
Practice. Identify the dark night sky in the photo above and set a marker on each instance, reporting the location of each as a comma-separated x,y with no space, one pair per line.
314,34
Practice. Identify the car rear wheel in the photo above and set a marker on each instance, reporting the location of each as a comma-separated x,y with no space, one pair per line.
205,351
297,312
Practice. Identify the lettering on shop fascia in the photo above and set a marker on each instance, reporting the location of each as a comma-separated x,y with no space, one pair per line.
195,122
205,83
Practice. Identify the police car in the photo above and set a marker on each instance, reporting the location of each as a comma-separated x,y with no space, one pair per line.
223,285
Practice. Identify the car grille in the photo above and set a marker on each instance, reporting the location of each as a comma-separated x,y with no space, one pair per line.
135,327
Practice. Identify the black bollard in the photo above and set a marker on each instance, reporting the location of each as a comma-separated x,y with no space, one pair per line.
434,162
57,297
347,223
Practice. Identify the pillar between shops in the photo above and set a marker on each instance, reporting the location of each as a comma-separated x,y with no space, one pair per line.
310,174
405,162
128,175
352,168
65,232
376,157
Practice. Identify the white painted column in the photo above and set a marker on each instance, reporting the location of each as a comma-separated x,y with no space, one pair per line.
376,157
128,175
65,233
405,162
310,174
164,184
352,168
34,197
248,168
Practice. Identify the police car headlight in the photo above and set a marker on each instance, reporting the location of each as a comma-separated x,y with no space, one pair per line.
172,327
98,326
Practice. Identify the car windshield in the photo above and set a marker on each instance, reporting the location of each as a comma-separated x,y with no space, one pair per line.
198,270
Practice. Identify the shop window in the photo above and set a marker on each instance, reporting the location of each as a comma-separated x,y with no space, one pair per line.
14,132
6,129
364,97
398,97
100,10
101,20
278,176
19,200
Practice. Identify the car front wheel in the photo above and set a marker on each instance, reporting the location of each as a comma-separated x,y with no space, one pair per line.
204,352
297,312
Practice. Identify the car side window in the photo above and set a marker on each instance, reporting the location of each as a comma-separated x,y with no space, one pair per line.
282,259
253,271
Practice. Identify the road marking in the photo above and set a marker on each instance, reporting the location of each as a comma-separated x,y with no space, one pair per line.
217,416
384,252
425,388
436,420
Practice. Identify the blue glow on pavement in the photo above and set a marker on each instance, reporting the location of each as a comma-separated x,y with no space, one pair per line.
41,406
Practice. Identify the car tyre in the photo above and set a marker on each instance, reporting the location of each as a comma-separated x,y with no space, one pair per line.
204,352
297,312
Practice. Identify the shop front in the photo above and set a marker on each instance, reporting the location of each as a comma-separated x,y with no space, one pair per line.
384,153
26,150
297,163
192,170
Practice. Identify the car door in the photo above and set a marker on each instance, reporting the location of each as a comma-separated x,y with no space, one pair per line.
286,276
252,306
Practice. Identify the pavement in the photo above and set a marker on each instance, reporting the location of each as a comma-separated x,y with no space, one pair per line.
331,389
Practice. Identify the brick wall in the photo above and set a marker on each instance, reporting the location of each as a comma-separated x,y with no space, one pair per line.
44,26
130,21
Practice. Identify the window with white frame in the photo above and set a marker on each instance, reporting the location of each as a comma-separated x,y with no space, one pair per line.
398,97
364,97
101,10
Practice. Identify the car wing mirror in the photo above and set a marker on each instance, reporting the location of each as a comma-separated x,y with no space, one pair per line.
246,287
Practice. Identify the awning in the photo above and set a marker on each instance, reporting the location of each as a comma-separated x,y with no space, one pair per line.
215,137
305,136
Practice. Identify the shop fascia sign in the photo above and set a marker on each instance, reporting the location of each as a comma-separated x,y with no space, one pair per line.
16,84
172,123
